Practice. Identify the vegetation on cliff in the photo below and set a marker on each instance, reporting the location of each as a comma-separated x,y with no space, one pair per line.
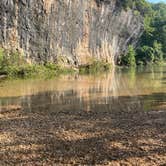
152,44
129,58
13,64
141,6
94,67
151,48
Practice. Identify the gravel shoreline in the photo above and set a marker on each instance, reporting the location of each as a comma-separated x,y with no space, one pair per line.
63,137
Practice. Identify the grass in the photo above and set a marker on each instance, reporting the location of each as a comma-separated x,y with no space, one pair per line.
31,71
14,65
95,67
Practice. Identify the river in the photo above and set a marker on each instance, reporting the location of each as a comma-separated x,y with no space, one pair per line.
142,87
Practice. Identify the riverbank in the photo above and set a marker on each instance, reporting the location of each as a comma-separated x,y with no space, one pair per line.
40,137
50,70
117,118
14,65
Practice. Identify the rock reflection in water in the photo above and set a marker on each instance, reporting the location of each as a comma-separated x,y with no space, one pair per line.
87,93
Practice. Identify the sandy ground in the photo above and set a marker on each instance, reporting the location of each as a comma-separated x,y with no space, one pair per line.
63,137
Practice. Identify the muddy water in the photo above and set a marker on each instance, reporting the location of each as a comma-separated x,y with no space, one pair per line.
131,89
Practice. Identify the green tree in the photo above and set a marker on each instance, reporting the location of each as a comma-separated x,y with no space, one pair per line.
159,23
153,41
157,51
129,58
145,54
143,7
1,57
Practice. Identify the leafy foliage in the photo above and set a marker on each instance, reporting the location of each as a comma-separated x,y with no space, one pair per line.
129,58
152,47
95,67
153,42
13,64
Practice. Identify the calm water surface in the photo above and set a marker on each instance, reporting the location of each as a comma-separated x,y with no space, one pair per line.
123,89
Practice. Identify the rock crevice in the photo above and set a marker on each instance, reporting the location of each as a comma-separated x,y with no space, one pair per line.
77,29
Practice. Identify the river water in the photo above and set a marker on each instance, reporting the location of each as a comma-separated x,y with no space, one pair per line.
111,118
131,89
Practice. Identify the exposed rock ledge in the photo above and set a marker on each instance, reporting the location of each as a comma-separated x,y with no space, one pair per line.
77,29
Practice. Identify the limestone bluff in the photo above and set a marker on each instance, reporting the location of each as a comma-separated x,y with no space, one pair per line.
76,29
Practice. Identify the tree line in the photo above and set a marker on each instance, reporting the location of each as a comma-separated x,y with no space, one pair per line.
152,44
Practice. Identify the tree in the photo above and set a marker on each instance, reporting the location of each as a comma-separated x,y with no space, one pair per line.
129,58
153,41
159,22
157,51
145,54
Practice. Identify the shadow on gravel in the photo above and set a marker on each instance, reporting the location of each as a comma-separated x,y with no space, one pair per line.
51,128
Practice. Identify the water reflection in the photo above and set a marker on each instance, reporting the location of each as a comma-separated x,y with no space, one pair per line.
123,89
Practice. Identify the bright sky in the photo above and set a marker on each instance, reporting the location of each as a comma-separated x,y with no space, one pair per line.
155,1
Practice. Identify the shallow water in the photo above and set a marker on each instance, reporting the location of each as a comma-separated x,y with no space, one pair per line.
140,89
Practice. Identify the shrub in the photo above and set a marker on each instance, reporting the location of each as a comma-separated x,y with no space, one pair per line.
129,58
148,54
157,47
95,67
14,65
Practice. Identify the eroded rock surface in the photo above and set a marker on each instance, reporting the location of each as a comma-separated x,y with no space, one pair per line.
76,29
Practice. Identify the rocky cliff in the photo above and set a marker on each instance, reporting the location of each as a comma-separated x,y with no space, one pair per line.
44,30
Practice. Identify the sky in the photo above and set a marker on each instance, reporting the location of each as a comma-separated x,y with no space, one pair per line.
155,1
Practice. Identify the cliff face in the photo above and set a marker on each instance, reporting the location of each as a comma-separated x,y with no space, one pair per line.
75,29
